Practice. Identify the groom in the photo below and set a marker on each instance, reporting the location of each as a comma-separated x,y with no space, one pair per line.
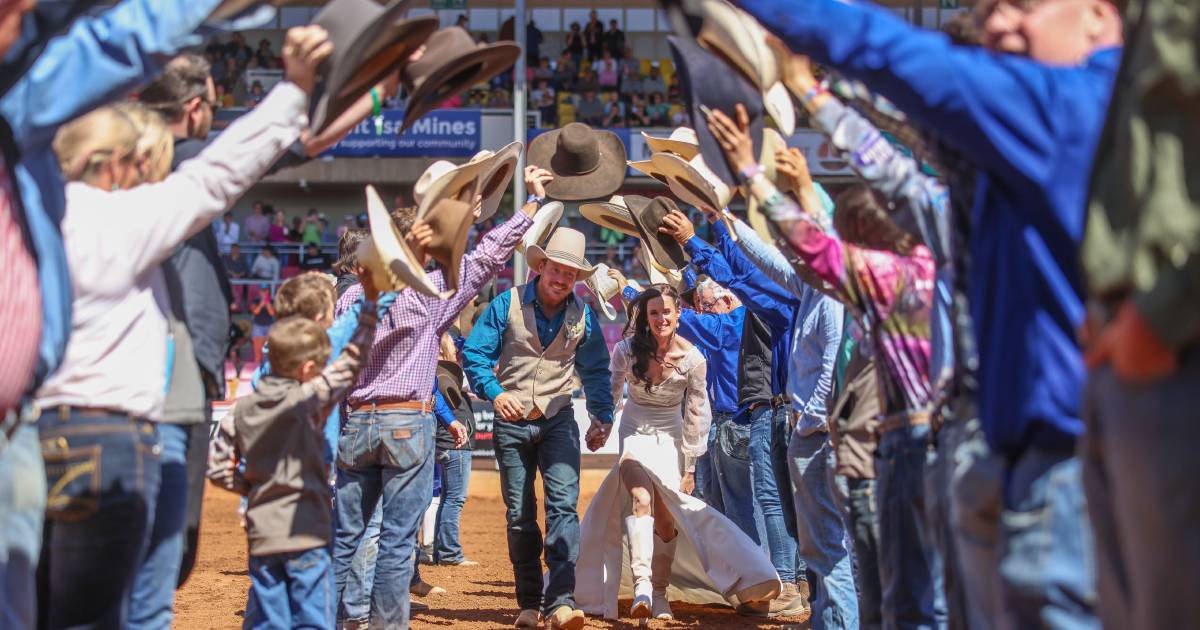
538,335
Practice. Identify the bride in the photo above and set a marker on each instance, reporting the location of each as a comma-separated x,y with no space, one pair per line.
674,539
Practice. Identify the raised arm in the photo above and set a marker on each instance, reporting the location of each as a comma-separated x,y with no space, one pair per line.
490,255
335,381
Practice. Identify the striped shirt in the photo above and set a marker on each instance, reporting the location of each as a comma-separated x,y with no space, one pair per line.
21,305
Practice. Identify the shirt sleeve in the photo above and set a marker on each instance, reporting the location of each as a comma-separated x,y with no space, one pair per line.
482,348
768,259
335,381
489,256
223,455
619,372
830,331
769,300
441,409
346,323
697,416
592,364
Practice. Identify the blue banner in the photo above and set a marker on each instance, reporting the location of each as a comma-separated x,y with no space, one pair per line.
440,133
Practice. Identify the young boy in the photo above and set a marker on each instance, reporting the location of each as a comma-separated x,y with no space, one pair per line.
277,432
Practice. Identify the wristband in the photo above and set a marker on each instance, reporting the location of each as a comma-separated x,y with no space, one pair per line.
377,110
812,93
748,173
534,199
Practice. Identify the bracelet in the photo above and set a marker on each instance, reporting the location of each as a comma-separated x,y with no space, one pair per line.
534,199
812,93
748,173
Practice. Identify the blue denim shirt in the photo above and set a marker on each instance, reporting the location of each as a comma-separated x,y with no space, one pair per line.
1031,130
482,350
98,60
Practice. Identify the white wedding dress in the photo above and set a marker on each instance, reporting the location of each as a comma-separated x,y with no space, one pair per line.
714,559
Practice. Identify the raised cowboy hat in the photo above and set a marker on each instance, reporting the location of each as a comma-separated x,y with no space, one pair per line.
498,170
705,80
612,214
741,42
452,62
566,247
693,182
648,217
369,42
461,179
604,288
586,163
646,167
236,8
682,142
655,272
772,142
544,222
445,201
393,265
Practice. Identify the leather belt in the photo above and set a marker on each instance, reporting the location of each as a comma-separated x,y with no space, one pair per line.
412,405
903,419
65,411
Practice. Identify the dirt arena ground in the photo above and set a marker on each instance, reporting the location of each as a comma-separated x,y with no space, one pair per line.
477,597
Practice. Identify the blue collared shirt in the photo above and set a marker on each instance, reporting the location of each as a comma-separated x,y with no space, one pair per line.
1031,129
98,60
483,347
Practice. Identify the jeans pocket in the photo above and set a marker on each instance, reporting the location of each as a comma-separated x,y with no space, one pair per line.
405,447
349,452
734,440
73,478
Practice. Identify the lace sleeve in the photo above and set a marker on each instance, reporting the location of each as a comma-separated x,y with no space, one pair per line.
619,366
697,415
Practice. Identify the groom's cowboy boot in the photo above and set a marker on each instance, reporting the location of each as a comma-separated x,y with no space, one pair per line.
528,618
660,568
641,552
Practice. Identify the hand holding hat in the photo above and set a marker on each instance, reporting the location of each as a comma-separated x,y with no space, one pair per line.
676,225
792,166
536,180
305,48
734,138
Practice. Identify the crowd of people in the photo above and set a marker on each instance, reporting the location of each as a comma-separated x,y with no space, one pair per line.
947,399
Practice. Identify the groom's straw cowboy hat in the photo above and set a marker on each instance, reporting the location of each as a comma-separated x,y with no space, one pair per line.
452,63
566,247
545,220
605,289
586,163
612,214
370,42
737,38
648,217
498,170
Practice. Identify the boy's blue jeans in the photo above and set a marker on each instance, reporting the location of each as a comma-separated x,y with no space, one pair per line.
291,590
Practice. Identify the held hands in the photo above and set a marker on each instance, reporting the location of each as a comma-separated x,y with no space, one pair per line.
508,407
597,435
687,484
677,226
305,48
458,431
795,70
734,137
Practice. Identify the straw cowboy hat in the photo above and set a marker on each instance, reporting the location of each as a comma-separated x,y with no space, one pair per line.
586,163
461,179
386,254
648,217
604,288
693,182
445,196
681,142
772,142
566,247
452,63
369,42
705,81
235,8
544,222
657,273
738,39
646,167
498,170
612,214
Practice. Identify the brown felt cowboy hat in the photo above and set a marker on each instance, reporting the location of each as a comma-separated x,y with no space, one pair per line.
612,214
386,254
498,170
446,204
648,217
566,247
369,42
586,163
451,63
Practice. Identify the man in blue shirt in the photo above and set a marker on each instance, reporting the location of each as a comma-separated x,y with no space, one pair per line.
1031,129
523,354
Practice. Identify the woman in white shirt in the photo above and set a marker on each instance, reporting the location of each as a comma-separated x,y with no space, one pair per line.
98,410
266,265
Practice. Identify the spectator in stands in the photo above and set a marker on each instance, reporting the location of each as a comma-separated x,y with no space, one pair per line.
607,72
295,232
593,36
614,112
221,93
499,99
258,226
654,81
266,266
533,43
346,226
587,82
256,94
543,71
266,58
463,22
575,45
631,74
220,69
614,40
237,48
680,118
277,232
542,99
657,110
589,110
327,233
311,230
228,233
262,315
237,269
565,73
313,259
636,114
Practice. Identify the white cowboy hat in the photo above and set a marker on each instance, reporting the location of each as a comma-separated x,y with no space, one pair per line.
567,247
646,167
682,142
443,175
498,170
544,222
605,289
657,273
612,214
771,143
693,182
386,254
445,196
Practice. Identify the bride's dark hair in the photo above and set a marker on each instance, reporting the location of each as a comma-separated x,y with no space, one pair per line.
642,343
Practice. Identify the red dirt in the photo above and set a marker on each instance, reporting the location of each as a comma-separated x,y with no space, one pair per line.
477,597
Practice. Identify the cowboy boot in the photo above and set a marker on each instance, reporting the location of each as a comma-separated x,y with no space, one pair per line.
660,569
640,530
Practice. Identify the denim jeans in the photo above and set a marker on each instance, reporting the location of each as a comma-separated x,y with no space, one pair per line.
863,522
1047,570
824,543
456,475
910,566
22,513
704,465
549,446
388,455
729,490
768,474
103,475
354,598
152,602
290,590
1139,471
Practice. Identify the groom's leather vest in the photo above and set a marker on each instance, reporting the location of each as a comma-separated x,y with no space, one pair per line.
540,378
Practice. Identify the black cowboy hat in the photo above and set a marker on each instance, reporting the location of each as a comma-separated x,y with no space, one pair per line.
451,63
586,163
369,42
648,216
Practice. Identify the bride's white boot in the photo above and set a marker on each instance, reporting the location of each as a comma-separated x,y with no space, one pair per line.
640,530
664,557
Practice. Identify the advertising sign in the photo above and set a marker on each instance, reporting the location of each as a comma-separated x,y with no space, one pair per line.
440,133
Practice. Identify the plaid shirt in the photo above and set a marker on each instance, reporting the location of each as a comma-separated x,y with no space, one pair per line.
403,360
